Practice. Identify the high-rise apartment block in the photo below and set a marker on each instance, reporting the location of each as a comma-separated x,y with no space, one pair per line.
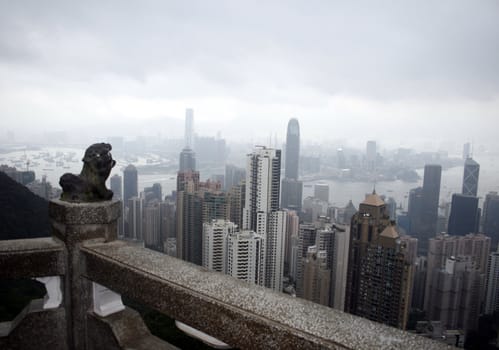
261,212
215,240
333,241
246,256
316,276
379,273
263,173
456,268
455,294
275,249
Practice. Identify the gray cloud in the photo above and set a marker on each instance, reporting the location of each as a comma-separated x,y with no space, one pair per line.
293,55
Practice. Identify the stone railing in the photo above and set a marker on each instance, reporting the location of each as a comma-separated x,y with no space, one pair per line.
90,269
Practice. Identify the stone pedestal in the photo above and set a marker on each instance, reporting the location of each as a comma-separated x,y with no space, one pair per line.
74,224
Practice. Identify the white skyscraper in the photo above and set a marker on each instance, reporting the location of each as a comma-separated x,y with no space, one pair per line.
263,173
246,256
215,239
261,210
275,249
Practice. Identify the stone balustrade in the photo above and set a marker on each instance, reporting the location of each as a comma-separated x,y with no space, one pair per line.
95,268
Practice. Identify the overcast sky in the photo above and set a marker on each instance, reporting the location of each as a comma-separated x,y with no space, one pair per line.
400,72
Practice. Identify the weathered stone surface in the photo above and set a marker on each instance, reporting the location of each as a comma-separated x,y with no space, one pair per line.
240,314
90,185
38,329
122,330
36,257
84,213
75,223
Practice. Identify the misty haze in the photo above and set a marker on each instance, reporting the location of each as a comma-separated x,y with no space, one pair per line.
337,153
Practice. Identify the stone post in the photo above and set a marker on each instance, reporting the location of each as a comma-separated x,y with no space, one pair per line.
74,224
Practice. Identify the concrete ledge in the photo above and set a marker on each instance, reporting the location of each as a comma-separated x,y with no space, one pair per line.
71,213
36,257
239,314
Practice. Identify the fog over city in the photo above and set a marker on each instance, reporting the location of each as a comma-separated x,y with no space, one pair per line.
418,73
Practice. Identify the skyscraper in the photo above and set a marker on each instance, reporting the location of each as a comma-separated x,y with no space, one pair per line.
426,225
379,273
263,173
292,188
152,226
133,229
189,128
275,249
492,290
189,217
292,149
292,191
491,217
466,150
187,160
130,183
470,177
464,215
116,186
261,210
371,154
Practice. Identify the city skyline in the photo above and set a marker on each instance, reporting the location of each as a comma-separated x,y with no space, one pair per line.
131,70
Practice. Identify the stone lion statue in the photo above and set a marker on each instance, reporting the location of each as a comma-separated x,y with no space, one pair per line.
90,185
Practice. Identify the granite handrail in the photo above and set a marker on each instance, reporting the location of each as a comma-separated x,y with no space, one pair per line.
240,314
